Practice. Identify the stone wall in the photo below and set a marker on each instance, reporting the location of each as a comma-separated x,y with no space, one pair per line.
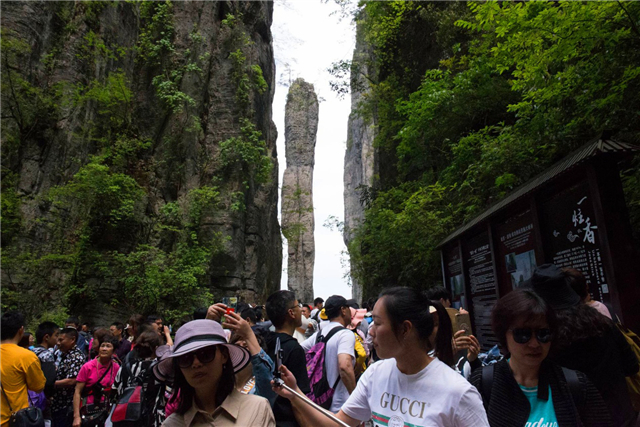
198,86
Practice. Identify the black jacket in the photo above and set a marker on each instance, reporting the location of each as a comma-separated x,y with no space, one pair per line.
509,407
294,359
606,360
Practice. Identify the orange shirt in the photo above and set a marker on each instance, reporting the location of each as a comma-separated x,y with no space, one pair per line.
20,371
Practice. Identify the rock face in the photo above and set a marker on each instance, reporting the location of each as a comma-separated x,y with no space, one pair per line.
359,159
301,126
139,157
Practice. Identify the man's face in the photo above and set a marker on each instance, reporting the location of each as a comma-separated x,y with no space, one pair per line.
115,331
319,305
305,311
85,328
66,343
52,340
297,313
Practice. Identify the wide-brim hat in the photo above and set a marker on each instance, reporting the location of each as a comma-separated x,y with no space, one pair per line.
192,336
357,316
550,283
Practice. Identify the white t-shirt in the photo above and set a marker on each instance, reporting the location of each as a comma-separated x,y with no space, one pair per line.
342,342
435,396
299,335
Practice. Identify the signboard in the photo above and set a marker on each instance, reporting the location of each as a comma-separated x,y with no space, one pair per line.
516,249
483,286
571,236
480,264
454,276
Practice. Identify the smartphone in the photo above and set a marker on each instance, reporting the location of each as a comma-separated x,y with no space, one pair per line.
278,353
464,323
231,303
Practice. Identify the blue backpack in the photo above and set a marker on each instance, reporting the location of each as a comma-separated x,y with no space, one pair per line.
321,393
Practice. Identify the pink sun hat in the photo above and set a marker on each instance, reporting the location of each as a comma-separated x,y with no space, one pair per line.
357,316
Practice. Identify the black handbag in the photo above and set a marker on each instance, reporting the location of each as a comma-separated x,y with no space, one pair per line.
28,417
96,414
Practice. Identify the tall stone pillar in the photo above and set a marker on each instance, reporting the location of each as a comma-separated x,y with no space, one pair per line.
360,155
301,126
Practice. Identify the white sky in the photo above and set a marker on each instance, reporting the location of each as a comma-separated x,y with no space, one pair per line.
309,40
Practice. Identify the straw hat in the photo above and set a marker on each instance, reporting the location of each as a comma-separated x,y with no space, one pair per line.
192,336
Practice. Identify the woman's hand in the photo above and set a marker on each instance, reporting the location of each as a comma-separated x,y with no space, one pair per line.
167,334
77,401
216,311
237,324
289,380
460,342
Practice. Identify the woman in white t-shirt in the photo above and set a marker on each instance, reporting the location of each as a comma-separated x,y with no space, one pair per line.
409,387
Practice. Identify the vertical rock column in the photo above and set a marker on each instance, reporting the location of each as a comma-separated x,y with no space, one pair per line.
360,155
301,125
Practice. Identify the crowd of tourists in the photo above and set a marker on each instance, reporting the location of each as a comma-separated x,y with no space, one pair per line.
400,360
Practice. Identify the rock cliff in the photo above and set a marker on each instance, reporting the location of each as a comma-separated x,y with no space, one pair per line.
139,159
301,126
359,159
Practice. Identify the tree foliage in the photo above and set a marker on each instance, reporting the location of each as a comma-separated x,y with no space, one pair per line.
104,232
504,90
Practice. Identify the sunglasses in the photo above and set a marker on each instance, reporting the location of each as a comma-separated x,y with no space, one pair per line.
205,355
524,335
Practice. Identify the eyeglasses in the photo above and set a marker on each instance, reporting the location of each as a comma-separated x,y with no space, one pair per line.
205,355
524,335
299,305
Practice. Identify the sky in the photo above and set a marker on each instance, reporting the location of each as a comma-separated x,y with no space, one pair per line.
308,38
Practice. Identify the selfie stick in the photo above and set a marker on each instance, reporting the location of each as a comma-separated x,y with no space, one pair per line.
280,383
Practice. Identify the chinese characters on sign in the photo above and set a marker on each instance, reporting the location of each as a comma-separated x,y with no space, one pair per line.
482,284
571,236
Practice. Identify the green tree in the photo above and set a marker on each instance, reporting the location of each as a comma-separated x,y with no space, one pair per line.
506,89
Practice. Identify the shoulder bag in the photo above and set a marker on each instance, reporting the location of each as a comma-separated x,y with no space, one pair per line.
95,415
30,416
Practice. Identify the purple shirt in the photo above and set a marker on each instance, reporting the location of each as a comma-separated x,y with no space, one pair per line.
124,347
